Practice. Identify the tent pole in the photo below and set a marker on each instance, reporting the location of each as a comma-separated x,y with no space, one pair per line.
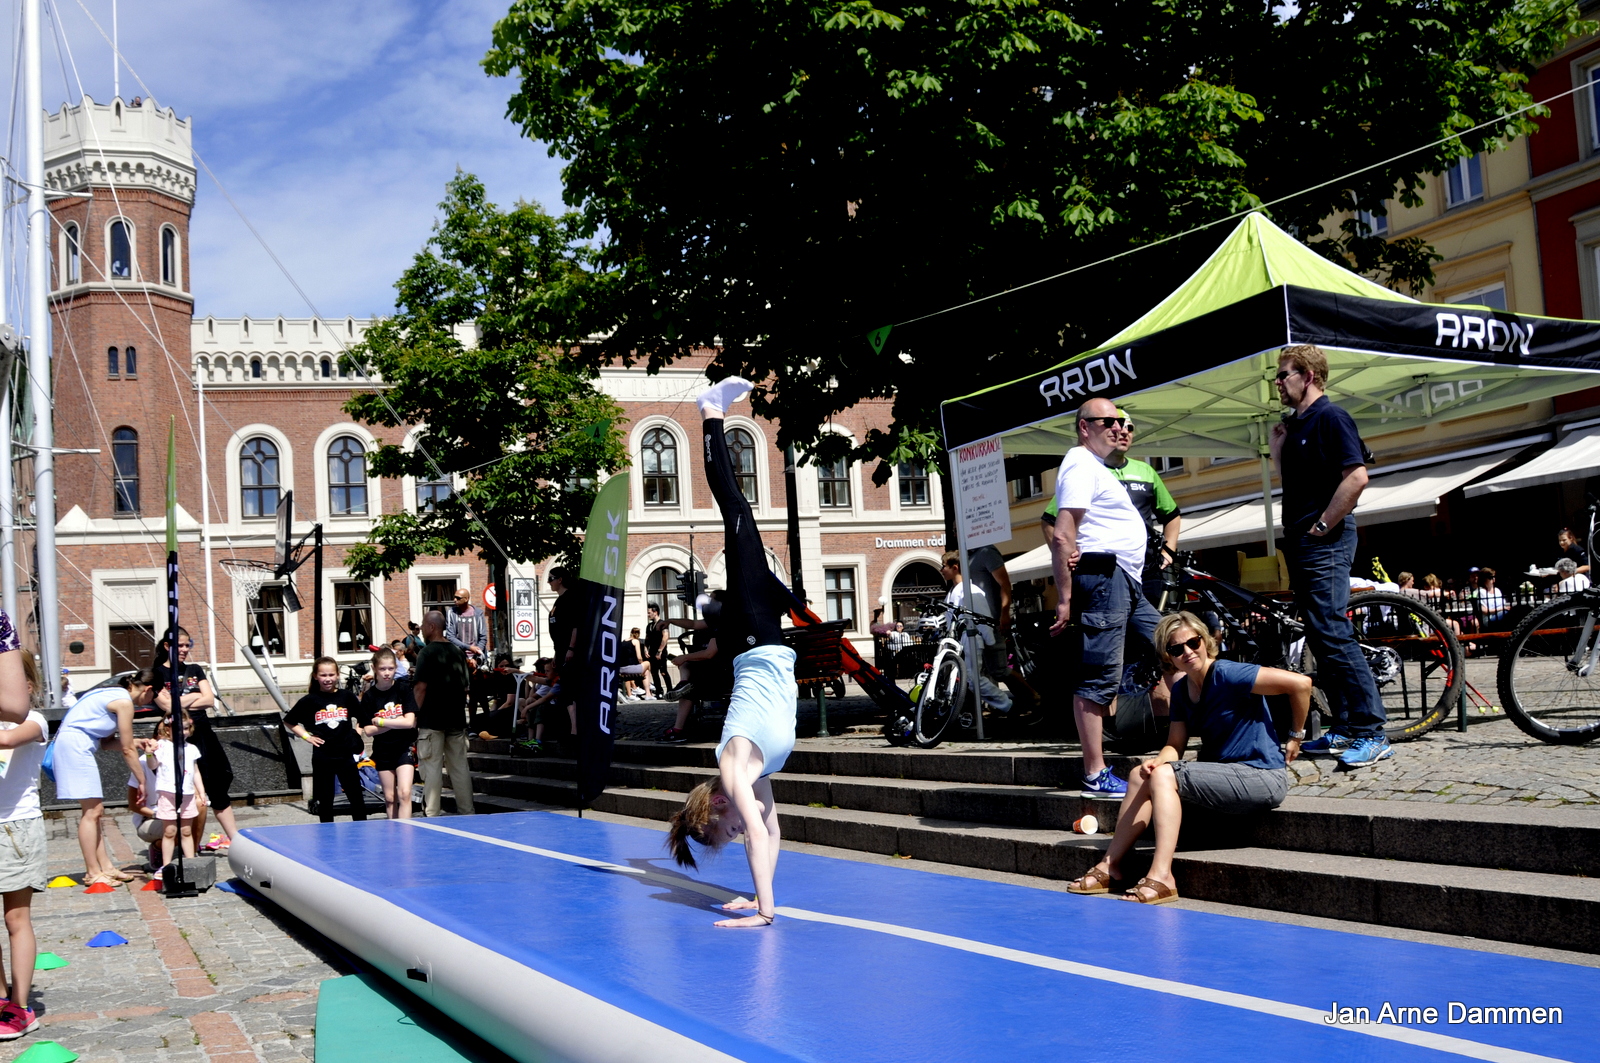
1266,503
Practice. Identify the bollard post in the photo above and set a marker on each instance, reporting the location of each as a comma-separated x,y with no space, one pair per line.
822,710
1461,710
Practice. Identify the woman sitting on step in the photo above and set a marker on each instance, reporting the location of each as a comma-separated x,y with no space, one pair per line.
1241,769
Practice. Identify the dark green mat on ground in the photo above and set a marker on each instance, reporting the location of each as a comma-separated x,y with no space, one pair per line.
365,1017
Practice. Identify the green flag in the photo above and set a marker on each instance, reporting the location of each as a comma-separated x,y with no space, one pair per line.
172,486
878,337
605,547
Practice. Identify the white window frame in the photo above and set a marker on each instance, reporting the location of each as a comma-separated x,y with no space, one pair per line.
1474,296
71,254
133,250
177,256
1462,166
1020,487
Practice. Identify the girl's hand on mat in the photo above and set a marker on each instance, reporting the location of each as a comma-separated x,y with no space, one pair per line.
739,904
749,920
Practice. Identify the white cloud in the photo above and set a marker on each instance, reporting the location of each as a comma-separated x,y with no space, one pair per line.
334,126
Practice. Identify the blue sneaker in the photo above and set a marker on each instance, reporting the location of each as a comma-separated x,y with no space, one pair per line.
1329,744
1105,784
1367,750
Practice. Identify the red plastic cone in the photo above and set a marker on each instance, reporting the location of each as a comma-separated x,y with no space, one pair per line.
153,884
101,887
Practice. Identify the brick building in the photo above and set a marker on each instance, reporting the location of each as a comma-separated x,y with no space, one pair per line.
132,357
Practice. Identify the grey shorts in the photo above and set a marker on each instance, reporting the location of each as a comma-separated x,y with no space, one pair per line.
1231,788
22,852
151,831
1110,609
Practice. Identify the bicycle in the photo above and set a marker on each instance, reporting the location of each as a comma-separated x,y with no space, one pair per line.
1406,644
1549,676
941,694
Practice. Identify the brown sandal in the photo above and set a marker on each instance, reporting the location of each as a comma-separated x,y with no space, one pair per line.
1093,881
1160,892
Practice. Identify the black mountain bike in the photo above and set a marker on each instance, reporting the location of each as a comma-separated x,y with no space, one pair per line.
1416,660
1549,675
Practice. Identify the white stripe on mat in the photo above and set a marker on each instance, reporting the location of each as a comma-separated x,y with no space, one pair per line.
1409,1035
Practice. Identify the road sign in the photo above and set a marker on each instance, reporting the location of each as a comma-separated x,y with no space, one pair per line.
525,608
488,596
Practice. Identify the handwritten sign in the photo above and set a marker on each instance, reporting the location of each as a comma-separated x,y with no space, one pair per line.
981,488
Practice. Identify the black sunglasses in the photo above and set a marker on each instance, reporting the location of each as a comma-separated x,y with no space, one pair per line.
1177,647
1107,422
1283,374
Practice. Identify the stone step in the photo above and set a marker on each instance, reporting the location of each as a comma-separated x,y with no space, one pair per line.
1556,911
1546,841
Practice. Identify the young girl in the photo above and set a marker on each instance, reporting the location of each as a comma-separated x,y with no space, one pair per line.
758,734
167,803
390,716
23,847
326,717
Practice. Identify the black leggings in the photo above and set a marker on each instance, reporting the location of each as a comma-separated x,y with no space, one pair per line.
750,617
323,771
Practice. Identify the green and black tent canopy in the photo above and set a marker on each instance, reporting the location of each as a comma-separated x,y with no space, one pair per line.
1196,372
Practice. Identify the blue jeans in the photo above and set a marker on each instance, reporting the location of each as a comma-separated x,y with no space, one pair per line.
1319,574
1109,609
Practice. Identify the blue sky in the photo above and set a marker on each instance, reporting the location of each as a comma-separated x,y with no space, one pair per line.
334,124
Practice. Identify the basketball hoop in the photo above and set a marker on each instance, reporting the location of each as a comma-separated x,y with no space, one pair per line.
248,576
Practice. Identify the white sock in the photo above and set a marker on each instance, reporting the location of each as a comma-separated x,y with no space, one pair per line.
714,400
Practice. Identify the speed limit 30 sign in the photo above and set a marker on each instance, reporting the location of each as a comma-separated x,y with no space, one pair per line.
524,629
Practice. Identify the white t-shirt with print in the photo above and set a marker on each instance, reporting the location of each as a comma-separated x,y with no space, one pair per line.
1110,524
19,773
166,770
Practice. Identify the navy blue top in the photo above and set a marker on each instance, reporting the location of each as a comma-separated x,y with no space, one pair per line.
1234,725
1321,444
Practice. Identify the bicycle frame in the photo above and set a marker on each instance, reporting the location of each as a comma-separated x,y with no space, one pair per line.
960,624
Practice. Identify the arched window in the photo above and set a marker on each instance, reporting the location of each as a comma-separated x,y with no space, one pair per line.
833,484
256,372
125,460
742,449
347,477
113,362
121,251
258,473
327,369
169,256
659,459
661,591
72,272
130,361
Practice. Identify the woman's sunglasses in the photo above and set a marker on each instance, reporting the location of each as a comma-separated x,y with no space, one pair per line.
1177,647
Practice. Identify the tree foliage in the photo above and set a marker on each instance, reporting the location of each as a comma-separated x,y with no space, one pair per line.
516,422
779,177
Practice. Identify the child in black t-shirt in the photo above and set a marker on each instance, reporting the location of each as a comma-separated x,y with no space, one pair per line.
328,718
390,716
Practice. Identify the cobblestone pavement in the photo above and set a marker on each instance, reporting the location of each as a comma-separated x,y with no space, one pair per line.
211,979
1491,763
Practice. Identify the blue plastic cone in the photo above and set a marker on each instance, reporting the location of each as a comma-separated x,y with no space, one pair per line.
105,939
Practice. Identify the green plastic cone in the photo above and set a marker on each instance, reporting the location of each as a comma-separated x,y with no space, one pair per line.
47,1052
48,961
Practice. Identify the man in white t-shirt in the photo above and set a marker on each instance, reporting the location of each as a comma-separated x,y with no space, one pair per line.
1098,553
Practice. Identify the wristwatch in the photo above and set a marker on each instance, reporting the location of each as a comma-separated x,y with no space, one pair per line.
1320,526
1298,736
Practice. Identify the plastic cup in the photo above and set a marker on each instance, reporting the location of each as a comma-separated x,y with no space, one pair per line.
1086,825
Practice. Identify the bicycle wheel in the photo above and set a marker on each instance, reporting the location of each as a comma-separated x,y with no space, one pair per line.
1549,677
1416,660
942,695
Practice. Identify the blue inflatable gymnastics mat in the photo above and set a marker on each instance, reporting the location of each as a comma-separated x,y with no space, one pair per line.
559,938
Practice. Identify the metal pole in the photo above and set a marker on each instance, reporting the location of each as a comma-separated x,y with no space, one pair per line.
316,597
116,56
8,485
39,358
205,538
1266,502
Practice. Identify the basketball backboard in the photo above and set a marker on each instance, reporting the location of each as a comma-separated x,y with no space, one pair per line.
281,544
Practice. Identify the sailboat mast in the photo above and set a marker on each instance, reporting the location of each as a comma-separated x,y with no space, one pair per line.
48,597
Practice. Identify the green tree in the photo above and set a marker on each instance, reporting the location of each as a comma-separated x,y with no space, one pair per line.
516,422
783,176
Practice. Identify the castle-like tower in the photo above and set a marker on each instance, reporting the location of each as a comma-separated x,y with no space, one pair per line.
122,182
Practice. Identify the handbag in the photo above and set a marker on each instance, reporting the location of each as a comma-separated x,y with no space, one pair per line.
48,765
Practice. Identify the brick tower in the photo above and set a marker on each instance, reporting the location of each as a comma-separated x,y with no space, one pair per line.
125,177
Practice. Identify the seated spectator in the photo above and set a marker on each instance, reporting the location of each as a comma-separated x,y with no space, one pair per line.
634,667
1488,601
1241,768
1406,583
1434,594
898,638
1570,580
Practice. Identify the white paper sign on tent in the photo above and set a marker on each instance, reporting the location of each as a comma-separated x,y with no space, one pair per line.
983,497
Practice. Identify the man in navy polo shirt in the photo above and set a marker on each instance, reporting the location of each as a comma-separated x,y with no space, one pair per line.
1323,464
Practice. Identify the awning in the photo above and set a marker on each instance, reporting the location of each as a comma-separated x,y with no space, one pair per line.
1035,564
1576,457
1403,495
